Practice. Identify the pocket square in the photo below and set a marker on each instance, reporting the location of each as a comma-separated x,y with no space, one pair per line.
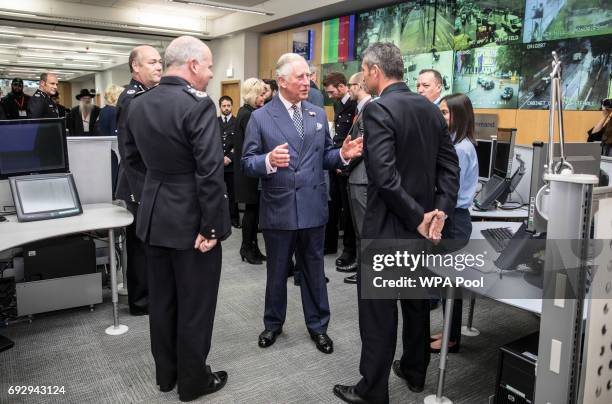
319,126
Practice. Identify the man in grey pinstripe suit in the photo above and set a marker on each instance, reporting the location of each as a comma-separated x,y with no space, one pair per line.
287,145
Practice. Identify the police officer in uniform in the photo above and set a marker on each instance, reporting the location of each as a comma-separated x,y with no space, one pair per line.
335,85
16,101
146,69
183,215
40,104
227,122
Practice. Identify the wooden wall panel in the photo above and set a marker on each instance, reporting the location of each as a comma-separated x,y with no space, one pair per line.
532,125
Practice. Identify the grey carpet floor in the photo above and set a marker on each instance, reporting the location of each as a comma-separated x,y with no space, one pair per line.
69,348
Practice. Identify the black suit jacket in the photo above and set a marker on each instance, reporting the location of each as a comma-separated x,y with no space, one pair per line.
13,104
228,131
410,161
75,121
245,188
130,178
180,146
343,120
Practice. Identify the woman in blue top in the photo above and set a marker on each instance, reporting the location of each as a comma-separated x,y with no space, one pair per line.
459,115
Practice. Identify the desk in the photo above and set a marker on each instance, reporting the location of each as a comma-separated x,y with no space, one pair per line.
511,280
101,216
520,213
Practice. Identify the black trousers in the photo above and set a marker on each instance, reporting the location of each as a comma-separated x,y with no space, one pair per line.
340,216
378,330
136,268
183,285
457,227
233,206
250,223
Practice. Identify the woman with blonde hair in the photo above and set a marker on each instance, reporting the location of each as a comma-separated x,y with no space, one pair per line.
246,188
106,125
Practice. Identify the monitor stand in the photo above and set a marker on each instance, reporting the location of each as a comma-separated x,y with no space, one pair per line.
5,343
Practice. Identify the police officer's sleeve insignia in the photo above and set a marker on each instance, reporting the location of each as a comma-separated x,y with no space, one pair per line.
196,93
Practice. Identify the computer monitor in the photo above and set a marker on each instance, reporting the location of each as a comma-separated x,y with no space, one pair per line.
504,152
484,153
46,196
585,158
33,146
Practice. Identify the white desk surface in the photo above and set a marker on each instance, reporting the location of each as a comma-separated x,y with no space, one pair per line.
520,213
95,217
532,305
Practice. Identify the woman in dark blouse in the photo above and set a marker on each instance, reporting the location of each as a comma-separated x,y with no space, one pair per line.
602,132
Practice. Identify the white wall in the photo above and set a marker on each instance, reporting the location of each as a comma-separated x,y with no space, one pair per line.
240,52
77,85
119,75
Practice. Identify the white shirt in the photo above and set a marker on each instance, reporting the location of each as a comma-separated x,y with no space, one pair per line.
362,103
289,107
346,97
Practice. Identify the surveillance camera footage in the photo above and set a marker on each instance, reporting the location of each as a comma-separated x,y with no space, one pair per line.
489,75
587,66
440,61
478,23
547,20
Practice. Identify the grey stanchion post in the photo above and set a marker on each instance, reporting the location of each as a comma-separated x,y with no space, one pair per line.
469,331
116,328
439,398
123,289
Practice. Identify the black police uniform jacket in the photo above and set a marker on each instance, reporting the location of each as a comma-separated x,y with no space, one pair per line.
343,120
228,130
41,106
130,178
180,146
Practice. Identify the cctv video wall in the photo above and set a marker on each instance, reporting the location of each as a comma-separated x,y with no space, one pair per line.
498,52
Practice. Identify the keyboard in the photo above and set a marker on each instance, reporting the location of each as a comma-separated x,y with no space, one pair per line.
498,237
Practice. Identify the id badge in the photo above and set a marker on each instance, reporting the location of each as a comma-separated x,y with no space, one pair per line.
23,113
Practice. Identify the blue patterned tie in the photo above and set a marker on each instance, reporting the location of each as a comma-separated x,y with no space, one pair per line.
298,120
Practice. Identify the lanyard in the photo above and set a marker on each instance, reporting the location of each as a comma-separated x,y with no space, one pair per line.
20,104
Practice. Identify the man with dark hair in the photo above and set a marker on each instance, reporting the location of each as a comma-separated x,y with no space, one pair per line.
16,101
227,122
413,179
146,69
40,104
335,85
429,84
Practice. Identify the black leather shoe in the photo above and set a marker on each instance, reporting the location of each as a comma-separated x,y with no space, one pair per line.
267,338
139,311
351,279
323,343
348,394
236,224
415,388
216,383
167,388
345,261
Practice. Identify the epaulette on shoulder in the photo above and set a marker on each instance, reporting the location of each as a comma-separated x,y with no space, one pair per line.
198,95
138,92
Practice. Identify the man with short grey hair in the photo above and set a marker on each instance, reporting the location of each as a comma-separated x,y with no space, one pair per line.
183,216
287,145
315,96
413,179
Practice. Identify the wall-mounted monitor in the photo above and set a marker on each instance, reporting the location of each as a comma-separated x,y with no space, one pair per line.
490,75
303,44
338,40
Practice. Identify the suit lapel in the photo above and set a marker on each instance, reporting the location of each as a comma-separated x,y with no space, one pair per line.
284,123
310,131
